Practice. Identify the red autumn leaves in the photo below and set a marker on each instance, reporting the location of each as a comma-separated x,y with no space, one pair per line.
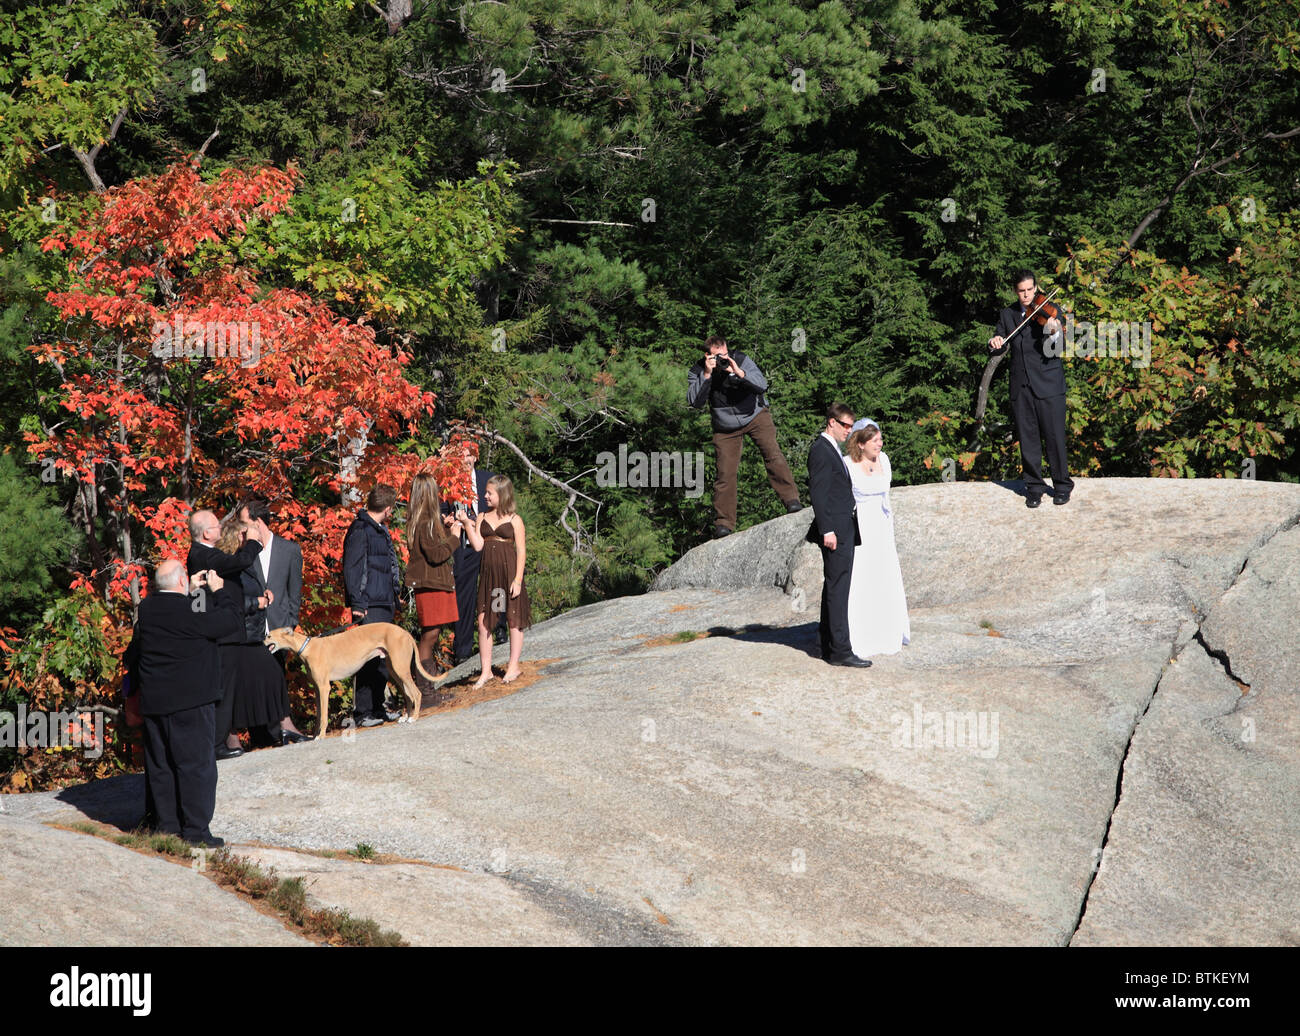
187,382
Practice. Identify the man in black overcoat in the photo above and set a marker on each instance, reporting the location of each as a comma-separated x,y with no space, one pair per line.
372,589
173,661
835,529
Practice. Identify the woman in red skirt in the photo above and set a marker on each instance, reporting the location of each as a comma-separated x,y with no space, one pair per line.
430,546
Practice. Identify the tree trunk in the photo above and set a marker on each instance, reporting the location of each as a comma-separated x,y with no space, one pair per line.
350,458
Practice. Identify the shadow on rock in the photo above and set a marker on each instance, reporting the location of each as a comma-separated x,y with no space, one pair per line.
118,801
801,638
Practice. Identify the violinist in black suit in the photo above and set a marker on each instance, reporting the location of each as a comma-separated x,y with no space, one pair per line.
1037,391
836,530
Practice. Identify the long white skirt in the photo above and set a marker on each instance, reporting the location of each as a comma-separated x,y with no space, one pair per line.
878,622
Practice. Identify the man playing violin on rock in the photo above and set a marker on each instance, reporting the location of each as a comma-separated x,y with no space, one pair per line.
1030,328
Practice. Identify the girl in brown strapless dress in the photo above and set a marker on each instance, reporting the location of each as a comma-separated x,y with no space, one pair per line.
499,536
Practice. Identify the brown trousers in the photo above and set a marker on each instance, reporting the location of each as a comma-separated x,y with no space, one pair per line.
729,444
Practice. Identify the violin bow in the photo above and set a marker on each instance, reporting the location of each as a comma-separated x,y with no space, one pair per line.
990,368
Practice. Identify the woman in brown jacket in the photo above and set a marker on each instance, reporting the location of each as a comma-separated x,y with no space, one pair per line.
430,546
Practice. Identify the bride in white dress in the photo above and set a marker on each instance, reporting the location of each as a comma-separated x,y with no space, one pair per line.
878,623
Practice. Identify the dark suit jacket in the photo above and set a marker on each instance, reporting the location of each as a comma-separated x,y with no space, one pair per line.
172,658
202,557
465,554
1031,367
229,567
370,572
831,492
284,582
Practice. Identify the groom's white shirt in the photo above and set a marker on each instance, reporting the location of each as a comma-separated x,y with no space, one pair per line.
827,437
264,561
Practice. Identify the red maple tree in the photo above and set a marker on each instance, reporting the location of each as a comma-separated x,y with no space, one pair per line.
186,383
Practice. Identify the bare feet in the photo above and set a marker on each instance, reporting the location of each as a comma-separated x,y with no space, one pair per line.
512,675
483,679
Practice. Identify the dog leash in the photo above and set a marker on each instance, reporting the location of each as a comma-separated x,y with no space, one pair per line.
336,629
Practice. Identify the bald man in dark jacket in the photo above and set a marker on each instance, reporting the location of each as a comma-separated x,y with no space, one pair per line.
173,661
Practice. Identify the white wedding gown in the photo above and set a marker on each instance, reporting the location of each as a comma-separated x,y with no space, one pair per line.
878,623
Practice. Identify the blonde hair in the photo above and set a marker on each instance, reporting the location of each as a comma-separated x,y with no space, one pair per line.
231,527
859,439
426,507
505,493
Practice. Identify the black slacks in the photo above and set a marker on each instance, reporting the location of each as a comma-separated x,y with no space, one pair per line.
181,770
837,570
466,563
371,682
226,706
1039,423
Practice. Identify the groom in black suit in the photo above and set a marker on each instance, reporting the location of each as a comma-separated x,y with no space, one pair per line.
836,530
278,571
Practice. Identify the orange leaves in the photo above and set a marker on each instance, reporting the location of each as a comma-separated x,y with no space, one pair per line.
181,370
451,469
169,523
149,225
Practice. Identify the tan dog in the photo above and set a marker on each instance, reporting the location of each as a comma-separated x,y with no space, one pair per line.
339,656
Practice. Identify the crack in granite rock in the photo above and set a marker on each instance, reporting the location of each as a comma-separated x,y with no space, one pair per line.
1176,649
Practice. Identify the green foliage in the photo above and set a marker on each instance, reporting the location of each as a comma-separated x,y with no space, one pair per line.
64,654
380,247
66,72
35,543
791,63
556,201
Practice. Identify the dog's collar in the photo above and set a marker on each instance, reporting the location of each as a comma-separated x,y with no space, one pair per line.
303,646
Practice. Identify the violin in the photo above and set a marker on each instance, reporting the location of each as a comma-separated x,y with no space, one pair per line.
1041,310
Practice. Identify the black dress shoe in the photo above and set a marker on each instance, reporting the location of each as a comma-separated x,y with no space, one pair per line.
292,737
228,753
207,841
1061,498
793,505
392,717
719,531
1033,499
850,660
371,721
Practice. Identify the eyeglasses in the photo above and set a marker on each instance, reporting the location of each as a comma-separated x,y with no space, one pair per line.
843,424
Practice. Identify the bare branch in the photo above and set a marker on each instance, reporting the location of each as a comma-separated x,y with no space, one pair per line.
204,149
87,158
586,222
575,533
